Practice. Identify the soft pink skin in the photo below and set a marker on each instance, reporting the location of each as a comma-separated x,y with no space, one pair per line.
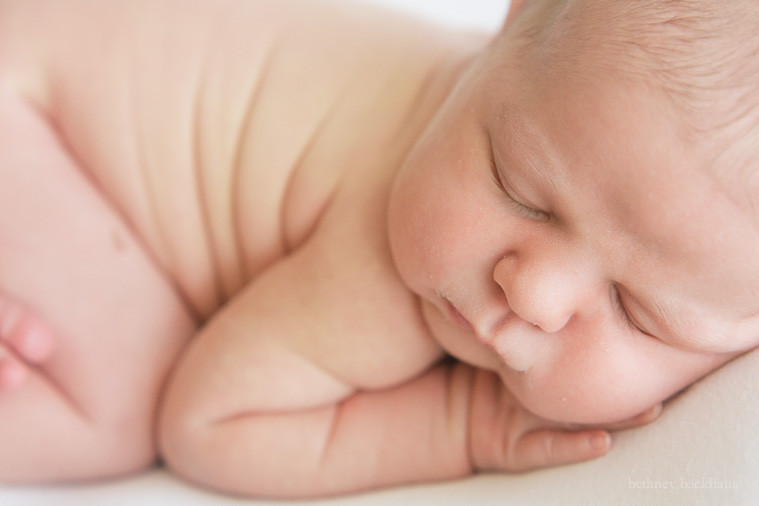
220,177
25,338
626,205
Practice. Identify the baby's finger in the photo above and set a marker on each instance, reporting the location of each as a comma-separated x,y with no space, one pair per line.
547,448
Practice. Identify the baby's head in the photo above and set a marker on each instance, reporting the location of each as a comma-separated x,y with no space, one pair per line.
582,215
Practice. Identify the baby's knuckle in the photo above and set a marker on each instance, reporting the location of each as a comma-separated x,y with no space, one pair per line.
548,449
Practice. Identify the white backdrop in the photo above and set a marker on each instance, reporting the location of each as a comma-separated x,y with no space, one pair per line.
477,14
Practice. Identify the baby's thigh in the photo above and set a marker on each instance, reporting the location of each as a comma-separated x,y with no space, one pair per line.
66,255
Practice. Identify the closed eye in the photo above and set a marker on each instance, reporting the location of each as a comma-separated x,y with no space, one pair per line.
520,209
623,313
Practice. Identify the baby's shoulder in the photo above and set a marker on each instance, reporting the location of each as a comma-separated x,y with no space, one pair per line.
362,323
353,87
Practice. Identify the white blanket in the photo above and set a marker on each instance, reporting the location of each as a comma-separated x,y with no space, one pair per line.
704,450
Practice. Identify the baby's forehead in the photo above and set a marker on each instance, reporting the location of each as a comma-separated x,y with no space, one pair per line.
704,55
701,58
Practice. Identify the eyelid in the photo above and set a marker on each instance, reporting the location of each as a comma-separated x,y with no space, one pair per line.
624,313
522,210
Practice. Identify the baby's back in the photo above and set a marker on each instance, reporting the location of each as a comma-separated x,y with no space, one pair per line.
218,130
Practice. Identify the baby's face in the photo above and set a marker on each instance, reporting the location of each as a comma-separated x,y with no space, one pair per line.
563,233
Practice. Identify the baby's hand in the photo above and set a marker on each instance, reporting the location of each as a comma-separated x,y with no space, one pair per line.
25,340
503,435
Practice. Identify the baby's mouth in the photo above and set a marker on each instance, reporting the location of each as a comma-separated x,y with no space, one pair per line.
517,346
456,317
453,315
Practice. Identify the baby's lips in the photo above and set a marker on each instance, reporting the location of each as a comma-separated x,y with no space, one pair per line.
520,345
456,317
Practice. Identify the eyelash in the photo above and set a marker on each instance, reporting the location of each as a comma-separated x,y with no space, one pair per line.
521,210
623,313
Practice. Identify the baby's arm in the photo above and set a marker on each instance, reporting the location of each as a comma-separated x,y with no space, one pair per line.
254,410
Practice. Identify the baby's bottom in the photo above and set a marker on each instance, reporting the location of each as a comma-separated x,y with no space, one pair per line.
90,327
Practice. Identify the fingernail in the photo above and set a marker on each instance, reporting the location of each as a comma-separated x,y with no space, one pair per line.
600,441
653,412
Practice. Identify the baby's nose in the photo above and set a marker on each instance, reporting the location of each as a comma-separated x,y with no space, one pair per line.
545,311
545,298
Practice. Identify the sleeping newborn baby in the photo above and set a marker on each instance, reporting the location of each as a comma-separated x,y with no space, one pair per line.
307,248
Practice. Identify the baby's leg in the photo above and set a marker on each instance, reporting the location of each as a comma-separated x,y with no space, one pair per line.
24,339
99,324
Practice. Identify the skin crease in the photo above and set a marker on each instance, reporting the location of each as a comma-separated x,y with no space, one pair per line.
528,289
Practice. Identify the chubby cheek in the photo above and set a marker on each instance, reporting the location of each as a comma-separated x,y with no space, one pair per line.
430,222
592,388
411,227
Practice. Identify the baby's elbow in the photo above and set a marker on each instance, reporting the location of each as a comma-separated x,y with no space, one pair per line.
195,447
174,440
183,438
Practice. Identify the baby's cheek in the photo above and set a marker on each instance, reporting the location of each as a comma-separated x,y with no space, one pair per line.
563,392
